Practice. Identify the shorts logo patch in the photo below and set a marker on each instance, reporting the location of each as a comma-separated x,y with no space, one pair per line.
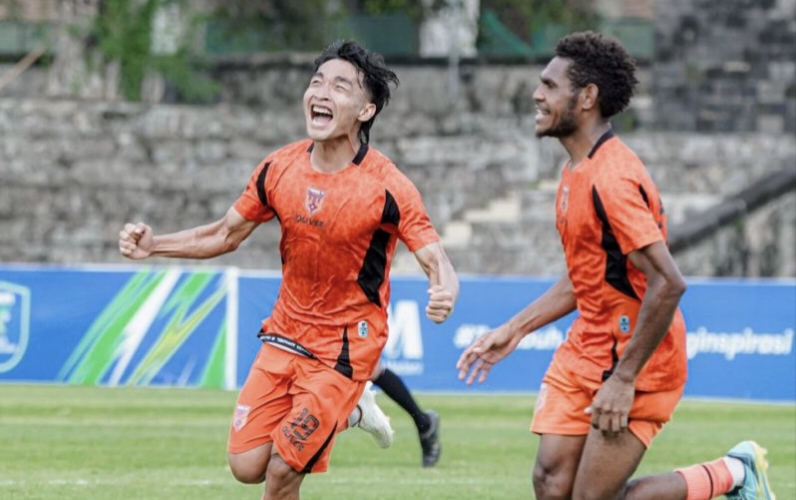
241,416
362,329
624,324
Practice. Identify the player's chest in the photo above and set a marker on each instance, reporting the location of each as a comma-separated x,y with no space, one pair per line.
342,206
576,217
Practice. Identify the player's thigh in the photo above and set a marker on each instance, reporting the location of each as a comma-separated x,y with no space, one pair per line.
263,401
556,465
322,399
250,466
606,464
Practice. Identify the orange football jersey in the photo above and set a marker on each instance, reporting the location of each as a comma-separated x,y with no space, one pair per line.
606,207
339,235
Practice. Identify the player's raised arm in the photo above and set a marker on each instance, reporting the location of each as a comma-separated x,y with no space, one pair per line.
494,345
137,241
443,289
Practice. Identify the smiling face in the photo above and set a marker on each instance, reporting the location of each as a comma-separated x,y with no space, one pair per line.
335,102
556,102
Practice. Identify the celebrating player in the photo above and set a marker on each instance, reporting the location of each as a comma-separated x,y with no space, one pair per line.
619,375
342,207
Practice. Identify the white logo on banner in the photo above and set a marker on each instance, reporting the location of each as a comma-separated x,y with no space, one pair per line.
730,344
403,352
14,324
545,339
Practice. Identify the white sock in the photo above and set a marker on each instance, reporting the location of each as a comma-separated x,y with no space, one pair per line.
737,469
355,417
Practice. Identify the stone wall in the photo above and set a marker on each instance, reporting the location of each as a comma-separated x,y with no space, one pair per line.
726,65
72,172
714,113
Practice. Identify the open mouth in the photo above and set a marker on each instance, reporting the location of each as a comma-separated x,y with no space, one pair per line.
541,113
320,115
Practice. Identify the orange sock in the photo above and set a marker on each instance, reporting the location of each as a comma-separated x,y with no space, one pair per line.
708,480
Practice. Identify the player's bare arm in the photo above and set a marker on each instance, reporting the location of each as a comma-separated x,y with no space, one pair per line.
493,346
442,280
665,286
136,241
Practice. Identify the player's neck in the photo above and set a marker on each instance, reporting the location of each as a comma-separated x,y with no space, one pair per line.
581,143
335,155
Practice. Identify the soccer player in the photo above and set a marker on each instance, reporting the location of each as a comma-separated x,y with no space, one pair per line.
620,373
342,207
427,422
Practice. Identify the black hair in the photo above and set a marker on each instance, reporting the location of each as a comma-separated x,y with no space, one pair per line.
376,75
605,63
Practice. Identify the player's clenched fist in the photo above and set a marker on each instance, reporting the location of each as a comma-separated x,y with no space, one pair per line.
440,304
136,241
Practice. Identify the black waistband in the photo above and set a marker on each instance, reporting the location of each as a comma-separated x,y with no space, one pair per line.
285,343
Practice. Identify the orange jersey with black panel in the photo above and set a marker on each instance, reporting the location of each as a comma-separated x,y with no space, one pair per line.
339,235
606,207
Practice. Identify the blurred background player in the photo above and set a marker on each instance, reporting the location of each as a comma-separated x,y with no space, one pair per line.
620,373
427,422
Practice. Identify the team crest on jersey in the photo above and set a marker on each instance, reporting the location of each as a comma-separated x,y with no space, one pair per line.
241,416
624,324
564,198
362,329
314,199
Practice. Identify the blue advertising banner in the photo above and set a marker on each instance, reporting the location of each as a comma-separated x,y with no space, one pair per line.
111,327
740,335
182,327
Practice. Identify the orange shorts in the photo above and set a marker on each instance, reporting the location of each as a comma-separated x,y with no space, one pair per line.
297,403
564,397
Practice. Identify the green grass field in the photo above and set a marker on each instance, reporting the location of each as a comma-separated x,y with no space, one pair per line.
69,442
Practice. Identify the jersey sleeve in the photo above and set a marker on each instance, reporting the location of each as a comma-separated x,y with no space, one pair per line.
414,225
253,202
627,210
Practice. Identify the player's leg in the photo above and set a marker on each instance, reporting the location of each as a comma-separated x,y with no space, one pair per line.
427,422
262,403
282,481
606,464
370,418
556,465
741,475
601,478
321,399
559,419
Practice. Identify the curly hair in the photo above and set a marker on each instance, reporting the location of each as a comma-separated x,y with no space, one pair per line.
605,63
376,75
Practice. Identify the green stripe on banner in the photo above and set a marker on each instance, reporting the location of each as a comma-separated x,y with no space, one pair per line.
213,375
180,327
95,354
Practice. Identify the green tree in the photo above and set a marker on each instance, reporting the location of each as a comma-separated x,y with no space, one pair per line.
122,31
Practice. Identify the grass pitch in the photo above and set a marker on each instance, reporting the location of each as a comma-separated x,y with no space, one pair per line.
71,442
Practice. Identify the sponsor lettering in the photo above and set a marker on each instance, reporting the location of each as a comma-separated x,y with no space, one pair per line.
732,344
544,339
309,221
403,352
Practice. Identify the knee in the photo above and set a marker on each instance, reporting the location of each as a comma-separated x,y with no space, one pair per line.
246,471
279,473
281,480
550,485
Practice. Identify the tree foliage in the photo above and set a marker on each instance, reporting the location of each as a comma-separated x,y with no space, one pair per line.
122,31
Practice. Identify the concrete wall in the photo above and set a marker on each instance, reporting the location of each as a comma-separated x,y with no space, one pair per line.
72,172
714,113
